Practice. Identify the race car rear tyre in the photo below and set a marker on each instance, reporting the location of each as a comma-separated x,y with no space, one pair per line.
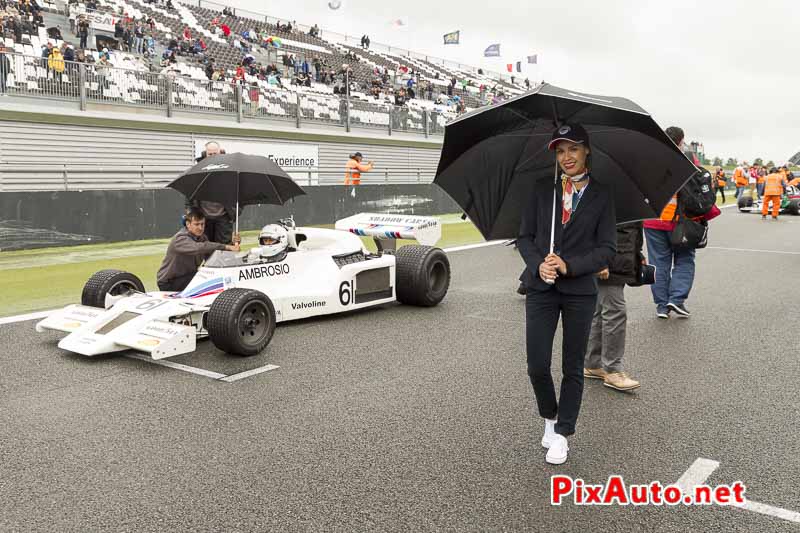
423,275
114,282
241,321
794,207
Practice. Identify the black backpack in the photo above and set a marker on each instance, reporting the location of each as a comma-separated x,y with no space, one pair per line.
698,195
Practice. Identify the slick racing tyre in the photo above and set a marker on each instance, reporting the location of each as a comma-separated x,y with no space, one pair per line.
423,275
113,282
794,207
743,203
241,321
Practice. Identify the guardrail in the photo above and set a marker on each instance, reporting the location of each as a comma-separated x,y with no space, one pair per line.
68,177
85,83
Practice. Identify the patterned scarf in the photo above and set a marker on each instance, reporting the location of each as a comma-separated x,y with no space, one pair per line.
567,193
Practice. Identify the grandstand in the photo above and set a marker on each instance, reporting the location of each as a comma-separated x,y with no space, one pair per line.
359,86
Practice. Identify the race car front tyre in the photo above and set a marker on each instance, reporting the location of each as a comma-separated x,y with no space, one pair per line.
114,282
423,275
241,321
794,207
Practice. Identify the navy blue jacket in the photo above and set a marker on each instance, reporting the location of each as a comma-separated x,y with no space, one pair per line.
586,243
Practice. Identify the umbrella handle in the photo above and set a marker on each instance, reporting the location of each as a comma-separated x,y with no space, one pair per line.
553,222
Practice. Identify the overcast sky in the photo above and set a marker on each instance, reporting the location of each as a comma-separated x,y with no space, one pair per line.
724,71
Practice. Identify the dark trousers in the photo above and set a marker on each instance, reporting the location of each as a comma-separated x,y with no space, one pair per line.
721,191
84,38
219,230
176,284
542,310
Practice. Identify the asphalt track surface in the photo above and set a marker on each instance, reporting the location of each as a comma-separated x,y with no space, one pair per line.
405,419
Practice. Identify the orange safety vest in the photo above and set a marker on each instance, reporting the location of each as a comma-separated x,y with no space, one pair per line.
774,185
721,178
668,214
739,178
353,170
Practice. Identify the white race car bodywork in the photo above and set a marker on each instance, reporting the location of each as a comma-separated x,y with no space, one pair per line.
325,272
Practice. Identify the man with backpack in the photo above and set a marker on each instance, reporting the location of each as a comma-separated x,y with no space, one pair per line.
673,237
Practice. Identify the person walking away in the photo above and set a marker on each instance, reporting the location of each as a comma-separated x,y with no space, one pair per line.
675,266
721,182
774,185
607,338
354,168
563,282
186,251
740,179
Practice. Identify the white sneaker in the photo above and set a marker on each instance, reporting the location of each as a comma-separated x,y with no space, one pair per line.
557,453
549,431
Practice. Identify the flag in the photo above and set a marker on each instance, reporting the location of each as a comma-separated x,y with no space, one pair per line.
493,50
399,23
519,66
510,67
452,37
532,60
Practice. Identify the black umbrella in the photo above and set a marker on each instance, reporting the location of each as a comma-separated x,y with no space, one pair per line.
237,179
492,156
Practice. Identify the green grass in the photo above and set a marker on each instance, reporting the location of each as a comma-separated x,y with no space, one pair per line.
64,271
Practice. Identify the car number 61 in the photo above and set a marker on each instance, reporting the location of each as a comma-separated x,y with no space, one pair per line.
346,292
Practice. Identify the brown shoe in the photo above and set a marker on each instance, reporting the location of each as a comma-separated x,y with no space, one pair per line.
620,381
594,373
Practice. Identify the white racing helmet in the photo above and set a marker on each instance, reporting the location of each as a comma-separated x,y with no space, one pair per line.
273,240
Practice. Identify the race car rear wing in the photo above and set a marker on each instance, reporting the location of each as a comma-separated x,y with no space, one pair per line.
387,228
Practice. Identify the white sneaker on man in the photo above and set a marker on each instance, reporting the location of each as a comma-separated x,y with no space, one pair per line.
549,431
557,453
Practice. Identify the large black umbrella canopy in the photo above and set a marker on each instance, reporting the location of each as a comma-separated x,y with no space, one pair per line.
492,156
237,178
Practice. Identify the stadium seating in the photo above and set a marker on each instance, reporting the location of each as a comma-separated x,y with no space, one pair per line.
134,81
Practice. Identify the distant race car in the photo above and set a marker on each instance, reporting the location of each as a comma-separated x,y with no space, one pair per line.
236,299
790,202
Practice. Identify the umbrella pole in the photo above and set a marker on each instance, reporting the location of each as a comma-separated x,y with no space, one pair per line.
553,221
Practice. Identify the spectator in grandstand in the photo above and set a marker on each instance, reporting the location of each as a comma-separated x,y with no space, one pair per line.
169,5
239,76
138,38
187,33
187,250
83,31
119,29
314,31
210,68
354,168
5,67
228,12
68,51
47,49
226,30
127,37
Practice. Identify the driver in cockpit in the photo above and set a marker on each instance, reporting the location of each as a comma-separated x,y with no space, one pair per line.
273,244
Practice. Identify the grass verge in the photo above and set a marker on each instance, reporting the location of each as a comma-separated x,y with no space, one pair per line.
63,271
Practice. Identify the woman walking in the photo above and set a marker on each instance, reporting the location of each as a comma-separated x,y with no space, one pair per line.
567,236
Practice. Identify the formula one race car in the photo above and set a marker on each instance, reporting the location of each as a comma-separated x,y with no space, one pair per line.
237,298
790,202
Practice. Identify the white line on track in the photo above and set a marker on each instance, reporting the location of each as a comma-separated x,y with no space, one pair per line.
697,474
777,512
472,246
752,250
177,366
701,469
248,373
23,318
